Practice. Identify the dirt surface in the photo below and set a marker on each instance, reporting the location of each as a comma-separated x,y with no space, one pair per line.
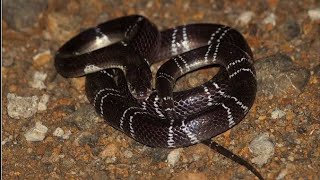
50,131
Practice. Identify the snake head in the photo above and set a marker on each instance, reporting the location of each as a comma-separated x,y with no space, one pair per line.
139,79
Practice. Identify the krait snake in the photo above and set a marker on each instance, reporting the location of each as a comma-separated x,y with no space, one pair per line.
116,56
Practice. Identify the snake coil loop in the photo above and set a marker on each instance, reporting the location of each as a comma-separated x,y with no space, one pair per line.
116,56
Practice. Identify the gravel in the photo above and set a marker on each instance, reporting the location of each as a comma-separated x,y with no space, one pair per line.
21,107
263,149
36,133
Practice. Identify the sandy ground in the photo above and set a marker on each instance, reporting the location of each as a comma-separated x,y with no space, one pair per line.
70,141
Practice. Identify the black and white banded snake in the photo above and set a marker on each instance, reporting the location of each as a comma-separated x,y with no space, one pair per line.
116,56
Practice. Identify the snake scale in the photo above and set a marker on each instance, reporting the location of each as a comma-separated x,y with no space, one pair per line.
115,58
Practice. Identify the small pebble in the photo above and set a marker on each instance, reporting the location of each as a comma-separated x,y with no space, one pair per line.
38,80
277,114
282,174
245,18
262,148
42,106
21,107
86,138
291,29
314,14
59,132
84,118
290,158
110,160
110,151
29,150
128,154
263,117
173,157
270,19
37,133
66,135
277,75
42,58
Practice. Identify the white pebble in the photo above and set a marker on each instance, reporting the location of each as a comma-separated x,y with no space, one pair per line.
270,19
42,106
262,148
66,134
37,133
277,114
314,14
38,80
59,132
173,157
21,107
245,18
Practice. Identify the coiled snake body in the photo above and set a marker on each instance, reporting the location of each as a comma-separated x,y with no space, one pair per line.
115,57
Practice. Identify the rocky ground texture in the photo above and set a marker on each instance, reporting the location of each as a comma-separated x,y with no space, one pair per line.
50,131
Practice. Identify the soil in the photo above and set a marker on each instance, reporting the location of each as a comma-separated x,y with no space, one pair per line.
75,143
